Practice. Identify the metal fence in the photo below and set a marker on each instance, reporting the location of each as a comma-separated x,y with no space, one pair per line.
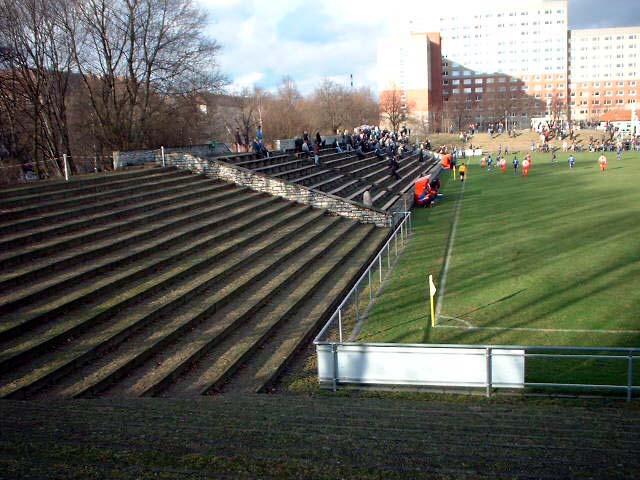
344,356
355,305
53,168
488,367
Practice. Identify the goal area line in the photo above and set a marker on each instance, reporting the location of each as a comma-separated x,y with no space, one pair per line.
466,325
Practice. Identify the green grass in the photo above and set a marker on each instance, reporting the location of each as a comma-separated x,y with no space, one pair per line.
556,250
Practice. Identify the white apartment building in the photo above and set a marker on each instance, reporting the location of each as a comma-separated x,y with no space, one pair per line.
517,59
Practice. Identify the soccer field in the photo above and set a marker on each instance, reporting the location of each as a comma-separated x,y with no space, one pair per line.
548,259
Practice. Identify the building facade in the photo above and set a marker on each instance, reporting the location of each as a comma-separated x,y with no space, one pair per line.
512,64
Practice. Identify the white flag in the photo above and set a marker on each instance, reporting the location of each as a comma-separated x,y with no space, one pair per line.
432,287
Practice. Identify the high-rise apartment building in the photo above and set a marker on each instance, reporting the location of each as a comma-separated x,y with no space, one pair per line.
518,61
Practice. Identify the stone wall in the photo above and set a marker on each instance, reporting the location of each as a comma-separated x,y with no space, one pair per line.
274,186
137,157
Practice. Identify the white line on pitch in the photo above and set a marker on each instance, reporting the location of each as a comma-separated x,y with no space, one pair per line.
445,271
461,320
530,329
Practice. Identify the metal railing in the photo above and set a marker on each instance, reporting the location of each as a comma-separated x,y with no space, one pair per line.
353,307
481,366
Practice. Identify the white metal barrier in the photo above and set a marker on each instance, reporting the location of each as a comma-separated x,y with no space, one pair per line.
343,361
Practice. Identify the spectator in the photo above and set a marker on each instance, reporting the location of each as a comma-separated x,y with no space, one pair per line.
393,167
239,143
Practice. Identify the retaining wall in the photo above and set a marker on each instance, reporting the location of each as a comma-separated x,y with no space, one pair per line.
274,186
137,157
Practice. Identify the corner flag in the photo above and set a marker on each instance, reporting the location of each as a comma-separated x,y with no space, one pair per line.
432,292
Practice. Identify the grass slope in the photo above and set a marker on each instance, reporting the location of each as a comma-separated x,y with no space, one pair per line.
557,250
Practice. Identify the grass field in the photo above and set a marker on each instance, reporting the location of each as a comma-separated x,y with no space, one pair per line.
550,259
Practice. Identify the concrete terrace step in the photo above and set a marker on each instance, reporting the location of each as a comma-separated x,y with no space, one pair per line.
122,316
71,271
77,248
47,186
192,183
284,166
87,196
20,248
223,360
72,190
186,330
322,436
129,283
314,300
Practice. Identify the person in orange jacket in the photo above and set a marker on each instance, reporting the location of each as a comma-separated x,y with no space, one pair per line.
603,162
525,167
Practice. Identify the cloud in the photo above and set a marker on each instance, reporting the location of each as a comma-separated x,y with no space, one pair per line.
311,40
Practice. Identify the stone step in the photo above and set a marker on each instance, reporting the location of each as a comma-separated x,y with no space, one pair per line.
21,248
318,302
76,181
87,197
224,360
44,219
17,201
186,330
83,305
72,249
101,324
102,261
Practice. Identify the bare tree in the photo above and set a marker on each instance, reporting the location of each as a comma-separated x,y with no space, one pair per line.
557,106
128,51
37,61
459,111
329,103
393,107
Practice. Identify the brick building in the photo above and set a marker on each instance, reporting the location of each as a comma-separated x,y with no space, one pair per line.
510,63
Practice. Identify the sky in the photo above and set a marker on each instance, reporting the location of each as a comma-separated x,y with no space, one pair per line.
262,41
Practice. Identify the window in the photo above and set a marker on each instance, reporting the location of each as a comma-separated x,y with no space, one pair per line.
445,82
455,90
478,81
596,84
608,93
490,80
455,73
502,79
620,84
467,90
455,82
467,81
620,92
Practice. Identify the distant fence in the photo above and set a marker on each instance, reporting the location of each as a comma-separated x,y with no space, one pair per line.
53,168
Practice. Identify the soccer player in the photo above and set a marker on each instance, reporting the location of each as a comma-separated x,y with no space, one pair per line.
603,162
489,163
525,167
503,165
554,159
619,152
516,164
483,162
572,161
462,172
